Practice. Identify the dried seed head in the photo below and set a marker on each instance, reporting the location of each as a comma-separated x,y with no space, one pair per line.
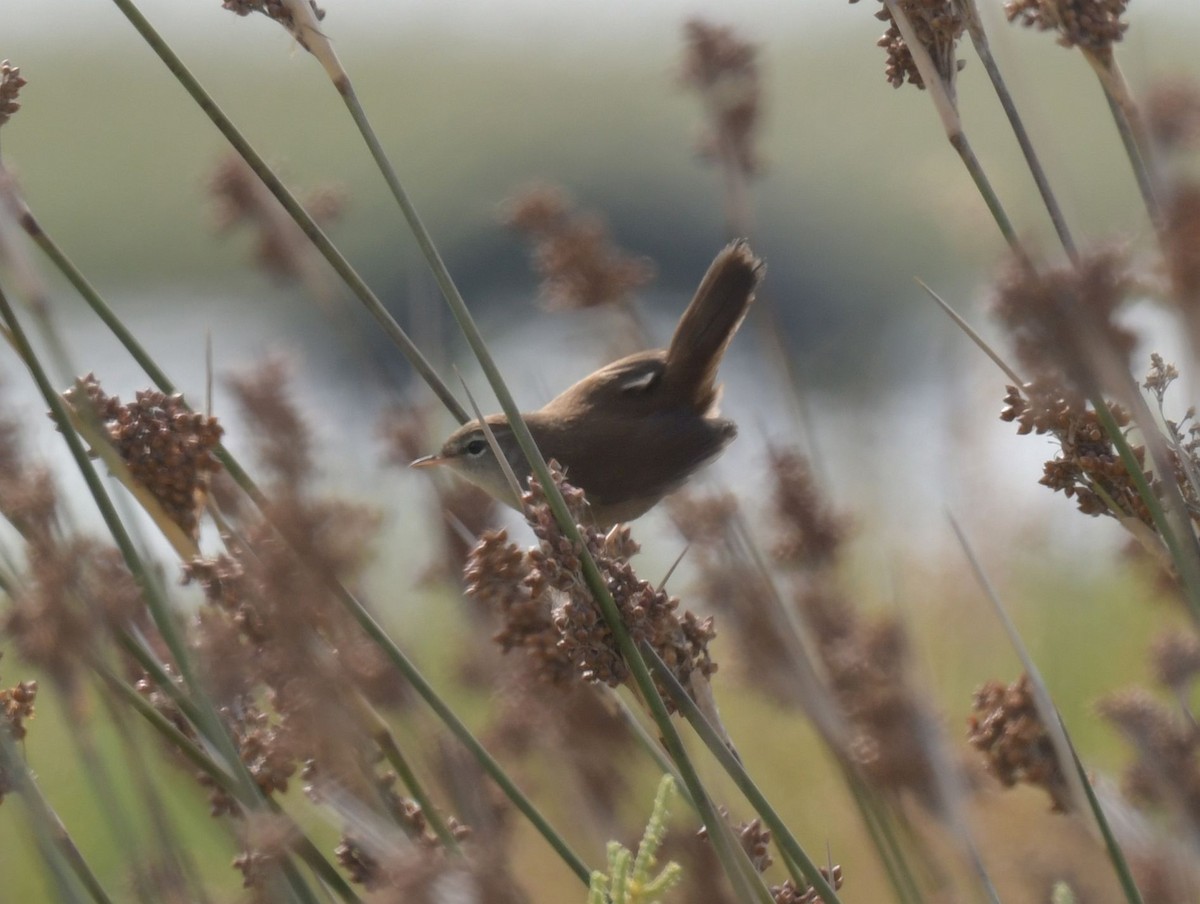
1171,109
547,581
272,9
282,249
1088,467
1181,248
1057,317
16,706
168,449
1008,729
579,265
502,576
1090,24
267,838
938,25
1176,660
812,533
1167,768
723,69
11,84
788,893
284,444
756,842
1160,376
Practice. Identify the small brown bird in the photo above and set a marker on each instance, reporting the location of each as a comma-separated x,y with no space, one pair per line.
636,429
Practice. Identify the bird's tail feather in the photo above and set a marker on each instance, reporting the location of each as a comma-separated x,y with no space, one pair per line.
707,326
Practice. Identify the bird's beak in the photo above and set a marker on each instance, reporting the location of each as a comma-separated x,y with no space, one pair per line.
428,461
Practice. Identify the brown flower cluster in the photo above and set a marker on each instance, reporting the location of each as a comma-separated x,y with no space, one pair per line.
264,744
501,576
220,801
866,662
168,448
1171,108
11,84
1167,770
1175,656
865,659
281,657
273,9
578,264
406,875
1009,730
1091,24
266,840
811,532
1181,249
16,706
788,893
73,587
938,24
366,863
1058,317
702,878
28,499
755,839
1088,467
589,738
731,583
282,250
723,69
526,586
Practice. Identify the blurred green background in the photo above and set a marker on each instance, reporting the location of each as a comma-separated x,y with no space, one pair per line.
860,193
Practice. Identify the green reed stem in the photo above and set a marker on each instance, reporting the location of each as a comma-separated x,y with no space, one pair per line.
591,572
248,797
489,764
1111,845
732,765
983,49
458,307
206,717
294,208
594,579
156,601
1179,536
942,96
664,762
55,844
1072,769
395,757
883,837
1129,128
195,755
356,608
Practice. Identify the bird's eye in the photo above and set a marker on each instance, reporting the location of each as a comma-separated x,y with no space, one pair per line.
476,447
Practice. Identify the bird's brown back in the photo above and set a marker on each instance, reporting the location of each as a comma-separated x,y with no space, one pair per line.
641,459
654,409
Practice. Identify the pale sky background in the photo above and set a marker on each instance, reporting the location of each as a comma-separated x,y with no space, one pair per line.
498,18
